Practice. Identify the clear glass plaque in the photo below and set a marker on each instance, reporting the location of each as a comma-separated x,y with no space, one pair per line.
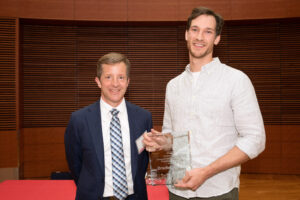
169,167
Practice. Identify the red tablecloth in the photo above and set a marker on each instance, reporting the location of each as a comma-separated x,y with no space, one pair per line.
57,190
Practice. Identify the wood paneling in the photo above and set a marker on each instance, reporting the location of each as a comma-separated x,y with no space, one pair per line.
49,9
38,136
9,147
254,8
222,7
7,74
290,133
43,152
281,154
137,10
155,10
273,132
43,170
49,75
262,165
293,8
8,94
59,71
104,10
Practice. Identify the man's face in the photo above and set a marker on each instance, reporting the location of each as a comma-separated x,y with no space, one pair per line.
113,83
201,37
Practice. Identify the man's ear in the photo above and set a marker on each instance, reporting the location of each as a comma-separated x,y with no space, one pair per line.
98,82
186,35
217,40
128,81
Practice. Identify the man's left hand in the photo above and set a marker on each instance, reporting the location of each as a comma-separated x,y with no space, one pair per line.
192,180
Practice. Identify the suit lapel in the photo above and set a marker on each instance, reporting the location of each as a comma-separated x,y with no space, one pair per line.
95,127
131,112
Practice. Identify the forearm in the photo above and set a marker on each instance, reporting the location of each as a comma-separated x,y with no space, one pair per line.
231,159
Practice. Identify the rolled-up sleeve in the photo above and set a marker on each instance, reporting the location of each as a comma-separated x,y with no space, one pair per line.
248,119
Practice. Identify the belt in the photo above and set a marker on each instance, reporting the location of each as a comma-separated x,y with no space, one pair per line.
110,198
115,198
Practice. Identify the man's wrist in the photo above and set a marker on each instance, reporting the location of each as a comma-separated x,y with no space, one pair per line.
169,142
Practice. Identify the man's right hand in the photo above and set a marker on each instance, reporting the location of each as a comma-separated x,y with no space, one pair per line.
157,141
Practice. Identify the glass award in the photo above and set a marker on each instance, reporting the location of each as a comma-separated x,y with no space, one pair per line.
167,167
159,164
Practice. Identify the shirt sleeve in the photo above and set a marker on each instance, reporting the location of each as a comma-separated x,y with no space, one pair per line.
248,118
167,121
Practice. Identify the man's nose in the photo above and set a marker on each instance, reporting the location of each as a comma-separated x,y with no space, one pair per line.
200,35
115,81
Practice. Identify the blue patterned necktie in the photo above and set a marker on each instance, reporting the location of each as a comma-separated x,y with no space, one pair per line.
117,155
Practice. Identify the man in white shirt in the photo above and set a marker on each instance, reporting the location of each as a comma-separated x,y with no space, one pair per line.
100,139
218,105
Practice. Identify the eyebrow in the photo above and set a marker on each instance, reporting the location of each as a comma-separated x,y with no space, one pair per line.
195,26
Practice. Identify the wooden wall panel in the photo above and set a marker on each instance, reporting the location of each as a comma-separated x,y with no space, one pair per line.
9,147
281,154
155,10
262,165
49,75
7,74
49,9
293,8
290,74
8,94
37,136
9,8
43,170
252,49
290,133
104,10
223,7
43,152
290,165
264,9
137,10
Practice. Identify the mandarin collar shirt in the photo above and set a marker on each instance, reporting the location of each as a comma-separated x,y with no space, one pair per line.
220,108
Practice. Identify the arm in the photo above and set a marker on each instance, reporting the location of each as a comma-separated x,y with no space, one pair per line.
196,177
73,149
250,142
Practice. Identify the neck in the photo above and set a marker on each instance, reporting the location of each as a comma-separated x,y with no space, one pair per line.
197,63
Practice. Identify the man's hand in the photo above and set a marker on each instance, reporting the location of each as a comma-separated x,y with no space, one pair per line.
196,177
193,179
156,141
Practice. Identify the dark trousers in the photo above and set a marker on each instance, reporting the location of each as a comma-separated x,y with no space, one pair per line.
232,195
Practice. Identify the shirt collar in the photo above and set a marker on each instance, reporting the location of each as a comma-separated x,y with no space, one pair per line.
107,108
208,68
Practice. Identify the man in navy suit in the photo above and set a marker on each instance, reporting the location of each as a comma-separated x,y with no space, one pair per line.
88,140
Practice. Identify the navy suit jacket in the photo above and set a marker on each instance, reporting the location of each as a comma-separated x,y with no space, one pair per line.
85,151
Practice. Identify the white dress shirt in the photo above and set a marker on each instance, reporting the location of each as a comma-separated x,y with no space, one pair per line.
106,119
220,108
